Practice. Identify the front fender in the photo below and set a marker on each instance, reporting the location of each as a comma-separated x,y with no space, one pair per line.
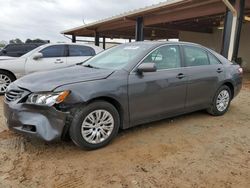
114,87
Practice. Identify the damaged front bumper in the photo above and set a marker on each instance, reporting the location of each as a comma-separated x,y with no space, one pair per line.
43,122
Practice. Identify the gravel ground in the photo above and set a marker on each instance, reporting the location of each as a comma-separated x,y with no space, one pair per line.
194,150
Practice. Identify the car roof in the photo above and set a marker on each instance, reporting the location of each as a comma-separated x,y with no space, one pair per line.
159,43
96,48
25,44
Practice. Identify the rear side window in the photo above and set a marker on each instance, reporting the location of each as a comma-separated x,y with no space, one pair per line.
195,56
213,60
77,50
53,51
166,57
30,47
14,48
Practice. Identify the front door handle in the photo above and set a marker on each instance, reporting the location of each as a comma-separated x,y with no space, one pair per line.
180,76
219,70
58,61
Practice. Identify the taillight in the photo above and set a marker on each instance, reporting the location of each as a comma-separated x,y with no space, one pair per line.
240,70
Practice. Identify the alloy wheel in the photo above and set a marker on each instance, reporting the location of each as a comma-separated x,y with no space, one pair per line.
222,101
97,126
4,82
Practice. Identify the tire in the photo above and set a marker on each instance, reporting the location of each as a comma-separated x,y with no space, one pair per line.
5,79
87,115
218,109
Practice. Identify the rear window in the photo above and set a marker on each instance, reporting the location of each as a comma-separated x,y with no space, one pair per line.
213,60
78,50
195,56
13,48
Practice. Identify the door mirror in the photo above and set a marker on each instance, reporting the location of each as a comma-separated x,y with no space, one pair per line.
146,67
37,56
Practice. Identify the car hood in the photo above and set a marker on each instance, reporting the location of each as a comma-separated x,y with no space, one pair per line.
49,80
7,57
11,61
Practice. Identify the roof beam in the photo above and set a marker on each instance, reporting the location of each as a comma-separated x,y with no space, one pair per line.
199,11
116,25
191,27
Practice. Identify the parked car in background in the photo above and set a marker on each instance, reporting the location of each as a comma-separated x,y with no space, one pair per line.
122,87
45,57
17,50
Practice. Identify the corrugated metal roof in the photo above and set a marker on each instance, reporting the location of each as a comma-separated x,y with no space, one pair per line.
128,14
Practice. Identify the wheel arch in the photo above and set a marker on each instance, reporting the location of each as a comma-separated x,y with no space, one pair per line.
231,87
5,70
112,101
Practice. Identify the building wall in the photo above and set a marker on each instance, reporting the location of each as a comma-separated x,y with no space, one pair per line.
214,42
244,50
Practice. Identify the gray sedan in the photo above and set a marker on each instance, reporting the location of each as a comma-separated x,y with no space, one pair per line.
122,87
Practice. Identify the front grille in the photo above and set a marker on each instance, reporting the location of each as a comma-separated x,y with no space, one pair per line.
13,95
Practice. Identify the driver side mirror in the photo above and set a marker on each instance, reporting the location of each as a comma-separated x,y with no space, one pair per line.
37,56
146,67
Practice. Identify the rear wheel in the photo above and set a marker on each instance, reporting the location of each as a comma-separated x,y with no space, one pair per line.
221,101
5,79
95,125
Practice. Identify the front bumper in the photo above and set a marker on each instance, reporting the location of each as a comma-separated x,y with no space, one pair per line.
43,122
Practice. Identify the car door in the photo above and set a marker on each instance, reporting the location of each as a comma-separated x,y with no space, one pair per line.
79,53
154,94
204,71
54,57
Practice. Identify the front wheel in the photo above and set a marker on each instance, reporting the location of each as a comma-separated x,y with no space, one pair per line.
5,79
221,101
95,125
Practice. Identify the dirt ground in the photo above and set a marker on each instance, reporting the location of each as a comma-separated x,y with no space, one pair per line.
194,150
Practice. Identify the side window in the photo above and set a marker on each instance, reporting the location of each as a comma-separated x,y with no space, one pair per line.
53,51
195,56
166,57
213,60
13,48
77,50
30,47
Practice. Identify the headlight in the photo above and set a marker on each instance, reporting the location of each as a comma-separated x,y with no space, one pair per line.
48,99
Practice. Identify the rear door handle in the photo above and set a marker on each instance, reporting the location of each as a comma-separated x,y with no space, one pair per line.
219,70
180,76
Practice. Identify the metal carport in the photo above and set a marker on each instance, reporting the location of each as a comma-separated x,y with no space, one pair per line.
166,20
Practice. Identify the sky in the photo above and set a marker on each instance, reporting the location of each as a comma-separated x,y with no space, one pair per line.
45,19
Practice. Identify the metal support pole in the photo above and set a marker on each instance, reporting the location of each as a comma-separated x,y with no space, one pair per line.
104,43
139,34
241,8
229,30
226,33
73,38
97,39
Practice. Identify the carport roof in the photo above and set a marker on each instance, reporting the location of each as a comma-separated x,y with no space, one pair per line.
163,20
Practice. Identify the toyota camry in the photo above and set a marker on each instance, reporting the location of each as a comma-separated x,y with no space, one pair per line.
125,86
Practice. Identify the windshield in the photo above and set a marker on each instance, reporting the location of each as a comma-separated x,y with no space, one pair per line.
117,57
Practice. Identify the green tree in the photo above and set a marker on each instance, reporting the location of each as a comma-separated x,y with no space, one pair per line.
34,41
3,43
16,41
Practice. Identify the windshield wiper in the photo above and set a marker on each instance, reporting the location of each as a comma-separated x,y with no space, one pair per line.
90,66
80,63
